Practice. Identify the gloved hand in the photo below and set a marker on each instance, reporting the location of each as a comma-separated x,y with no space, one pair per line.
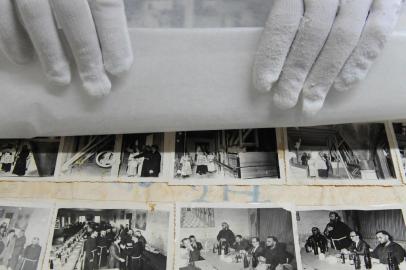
96,31
318,45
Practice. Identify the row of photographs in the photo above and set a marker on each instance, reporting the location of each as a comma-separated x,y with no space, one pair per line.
206,236
346,154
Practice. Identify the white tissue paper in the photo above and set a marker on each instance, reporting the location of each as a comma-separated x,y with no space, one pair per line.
189,79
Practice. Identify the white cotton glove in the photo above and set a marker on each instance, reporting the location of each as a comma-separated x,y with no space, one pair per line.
96,31
329,48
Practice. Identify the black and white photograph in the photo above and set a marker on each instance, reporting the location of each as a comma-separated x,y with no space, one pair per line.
28,157
400,134
350,238
91,236
192,13
234,237
89,157
24,230
142,155
205,157
356,153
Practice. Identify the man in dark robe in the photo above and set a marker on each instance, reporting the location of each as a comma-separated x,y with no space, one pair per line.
102,248
110,237
275,253
241,243
226,235
21,163
31,255
141,238
115,259
136,260
18,249
151,167
90,251
154,162
338,232
128,246
388,247
316,240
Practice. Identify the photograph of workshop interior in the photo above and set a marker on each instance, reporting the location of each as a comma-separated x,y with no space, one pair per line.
244,154
340,152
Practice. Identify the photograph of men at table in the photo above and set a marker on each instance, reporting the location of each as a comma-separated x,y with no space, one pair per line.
352,239
92,239
236,238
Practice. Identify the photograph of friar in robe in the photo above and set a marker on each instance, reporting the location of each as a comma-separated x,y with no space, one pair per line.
28,157
333,152
400,133
92,239
23,237
226,154
352,239
141,155
235,238
89,156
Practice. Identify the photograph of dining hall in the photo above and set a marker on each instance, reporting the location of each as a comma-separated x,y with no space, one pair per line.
28,157
339,152
235,238
23,236
125,239
352,239
141,155
88,156
400,134
226,154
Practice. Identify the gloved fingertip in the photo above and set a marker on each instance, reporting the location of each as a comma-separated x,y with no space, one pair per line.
97,86
60,76
263,82
120,66
311,107
342,86
284,101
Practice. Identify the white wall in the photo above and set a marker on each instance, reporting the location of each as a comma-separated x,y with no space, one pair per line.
157,230
238,219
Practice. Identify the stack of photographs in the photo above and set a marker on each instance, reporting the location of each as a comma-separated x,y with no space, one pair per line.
345,154
121,235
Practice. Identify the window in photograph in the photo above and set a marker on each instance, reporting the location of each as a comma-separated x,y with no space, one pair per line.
400,133
226,154
333,152
28,157
352,239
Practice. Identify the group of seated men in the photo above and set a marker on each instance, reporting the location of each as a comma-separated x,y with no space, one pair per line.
110,247
271,253
346,240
